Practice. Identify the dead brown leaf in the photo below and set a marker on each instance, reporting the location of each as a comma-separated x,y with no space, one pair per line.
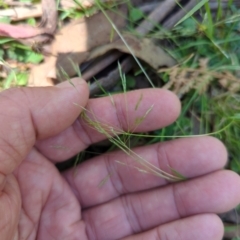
144,49
72,46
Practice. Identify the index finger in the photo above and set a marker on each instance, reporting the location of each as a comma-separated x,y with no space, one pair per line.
138,111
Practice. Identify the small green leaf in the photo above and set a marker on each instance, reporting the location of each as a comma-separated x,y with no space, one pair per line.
33,57
5,20
235,117
5,40
8,81
190,13
22,79
135,14
31,21
64,15
131,82
1,53
11,54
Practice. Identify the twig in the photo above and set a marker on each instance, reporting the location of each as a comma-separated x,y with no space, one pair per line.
112,78
168,24
23,12
14,3
156,16
148,7
100,64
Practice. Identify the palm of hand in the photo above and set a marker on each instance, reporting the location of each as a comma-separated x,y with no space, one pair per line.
50,210
73,206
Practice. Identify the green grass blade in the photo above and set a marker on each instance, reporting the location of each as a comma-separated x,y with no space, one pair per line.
210,27
191,12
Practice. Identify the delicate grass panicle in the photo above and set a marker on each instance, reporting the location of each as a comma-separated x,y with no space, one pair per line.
113,134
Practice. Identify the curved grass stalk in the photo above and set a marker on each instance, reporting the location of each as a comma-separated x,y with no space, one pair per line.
182,136
112,135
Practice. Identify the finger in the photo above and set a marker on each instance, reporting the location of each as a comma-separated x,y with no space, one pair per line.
156,107
214,193
199,227
190,157
28,114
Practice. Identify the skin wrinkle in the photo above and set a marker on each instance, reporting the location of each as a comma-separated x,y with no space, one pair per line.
10,183
125,159
136,213
42,203
2,182
176,206
179,201
26,137
109,163
47,119
10,157
33,228
185,209
35,224
8,198
49,234
122,119
159,235
34,126
90,228
43,209
3,228
162,157
130,212
73,186
164,235
31,117
177,233
55,210
80,130
83,227
18,105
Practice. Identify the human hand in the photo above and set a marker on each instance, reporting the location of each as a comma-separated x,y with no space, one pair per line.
38,202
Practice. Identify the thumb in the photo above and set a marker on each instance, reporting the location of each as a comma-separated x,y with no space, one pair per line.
28,114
